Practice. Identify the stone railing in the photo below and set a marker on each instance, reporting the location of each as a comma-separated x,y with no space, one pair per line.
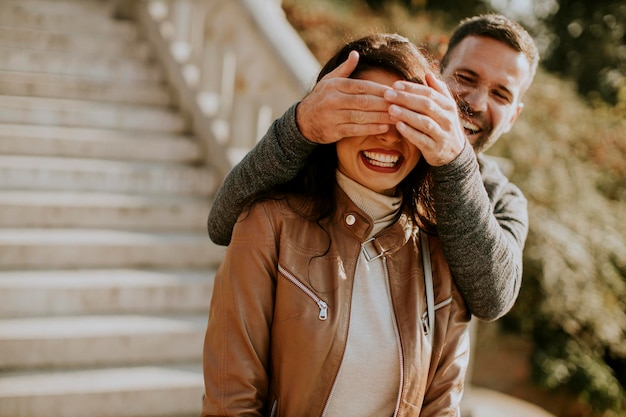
234,66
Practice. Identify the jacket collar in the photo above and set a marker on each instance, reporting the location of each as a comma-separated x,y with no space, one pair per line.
355,222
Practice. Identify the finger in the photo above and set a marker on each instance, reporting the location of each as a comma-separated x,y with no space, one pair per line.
365,117
417,121
346,68
430,152
355,86
365,102
423,99
352,129
348,123
438,85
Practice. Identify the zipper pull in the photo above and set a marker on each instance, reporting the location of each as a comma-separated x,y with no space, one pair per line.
323,310
425,326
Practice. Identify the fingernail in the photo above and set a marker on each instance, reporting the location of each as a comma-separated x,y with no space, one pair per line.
394,110
398,85
390,94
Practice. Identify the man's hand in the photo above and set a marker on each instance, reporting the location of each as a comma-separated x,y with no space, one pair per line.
428,117
340,107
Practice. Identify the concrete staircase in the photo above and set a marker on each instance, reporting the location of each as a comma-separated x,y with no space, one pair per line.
106,268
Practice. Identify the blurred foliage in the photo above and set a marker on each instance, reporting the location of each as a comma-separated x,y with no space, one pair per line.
589,46
582,40
569,161
569,158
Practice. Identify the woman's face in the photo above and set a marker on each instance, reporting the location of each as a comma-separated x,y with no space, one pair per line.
382,161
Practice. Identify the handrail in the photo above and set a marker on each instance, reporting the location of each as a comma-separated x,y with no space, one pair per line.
234,66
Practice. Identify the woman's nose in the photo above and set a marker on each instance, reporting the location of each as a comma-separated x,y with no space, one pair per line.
391,135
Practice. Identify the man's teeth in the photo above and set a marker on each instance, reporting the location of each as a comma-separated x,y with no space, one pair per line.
470,126
381,160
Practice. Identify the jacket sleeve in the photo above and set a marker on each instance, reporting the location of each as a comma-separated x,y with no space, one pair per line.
446,384
236,353
482,235
275,159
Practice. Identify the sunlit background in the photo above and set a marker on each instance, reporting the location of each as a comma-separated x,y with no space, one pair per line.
119,119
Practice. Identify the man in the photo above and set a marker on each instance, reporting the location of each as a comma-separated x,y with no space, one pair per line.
482,218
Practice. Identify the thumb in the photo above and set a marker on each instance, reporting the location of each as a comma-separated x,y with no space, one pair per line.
437,84
345,68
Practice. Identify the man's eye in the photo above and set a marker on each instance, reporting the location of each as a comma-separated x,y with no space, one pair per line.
502,97
465,79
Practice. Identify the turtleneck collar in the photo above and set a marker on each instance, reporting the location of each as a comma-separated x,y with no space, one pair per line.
381,208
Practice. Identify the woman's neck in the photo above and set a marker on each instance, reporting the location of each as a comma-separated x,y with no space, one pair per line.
377,206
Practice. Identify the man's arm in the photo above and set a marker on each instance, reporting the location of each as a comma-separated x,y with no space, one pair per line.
482,234
275,159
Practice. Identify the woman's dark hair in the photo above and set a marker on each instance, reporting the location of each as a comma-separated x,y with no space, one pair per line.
316,181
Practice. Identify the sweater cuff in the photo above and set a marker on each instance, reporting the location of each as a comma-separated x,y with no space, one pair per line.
458,168
291,132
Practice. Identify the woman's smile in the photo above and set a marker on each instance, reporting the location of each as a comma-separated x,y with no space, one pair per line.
385,160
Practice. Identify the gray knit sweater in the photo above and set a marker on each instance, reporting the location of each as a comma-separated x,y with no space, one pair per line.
482,218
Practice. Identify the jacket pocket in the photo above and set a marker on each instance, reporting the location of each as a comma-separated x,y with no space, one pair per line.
323,307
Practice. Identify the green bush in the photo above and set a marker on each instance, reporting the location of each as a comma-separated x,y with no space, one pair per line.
569,161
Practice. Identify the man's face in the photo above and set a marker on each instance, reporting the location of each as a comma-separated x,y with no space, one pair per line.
487,78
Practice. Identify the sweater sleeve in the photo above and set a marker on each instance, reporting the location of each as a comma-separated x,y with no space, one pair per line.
277,158
482,227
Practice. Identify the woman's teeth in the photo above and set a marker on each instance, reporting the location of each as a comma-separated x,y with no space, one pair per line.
381,160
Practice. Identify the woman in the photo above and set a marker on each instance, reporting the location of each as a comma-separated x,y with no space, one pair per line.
332,300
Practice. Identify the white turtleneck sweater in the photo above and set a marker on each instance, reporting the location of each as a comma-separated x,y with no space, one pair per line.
368,381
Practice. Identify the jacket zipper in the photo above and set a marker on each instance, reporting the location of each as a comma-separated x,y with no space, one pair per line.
320,303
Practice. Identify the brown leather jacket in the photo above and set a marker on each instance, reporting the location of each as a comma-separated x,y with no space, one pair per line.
281,307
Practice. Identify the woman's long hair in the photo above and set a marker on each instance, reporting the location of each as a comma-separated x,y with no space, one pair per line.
316,181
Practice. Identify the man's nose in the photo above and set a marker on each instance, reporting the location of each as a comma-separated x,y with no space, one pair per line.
477,99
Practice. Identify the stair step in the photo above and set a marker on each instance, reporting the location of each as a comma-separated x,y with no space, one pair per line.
73,17
83,43
80,142
92,65
77,7
105,291
94,248
116,392
83,88
44,209
73,174
112,340
81,113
